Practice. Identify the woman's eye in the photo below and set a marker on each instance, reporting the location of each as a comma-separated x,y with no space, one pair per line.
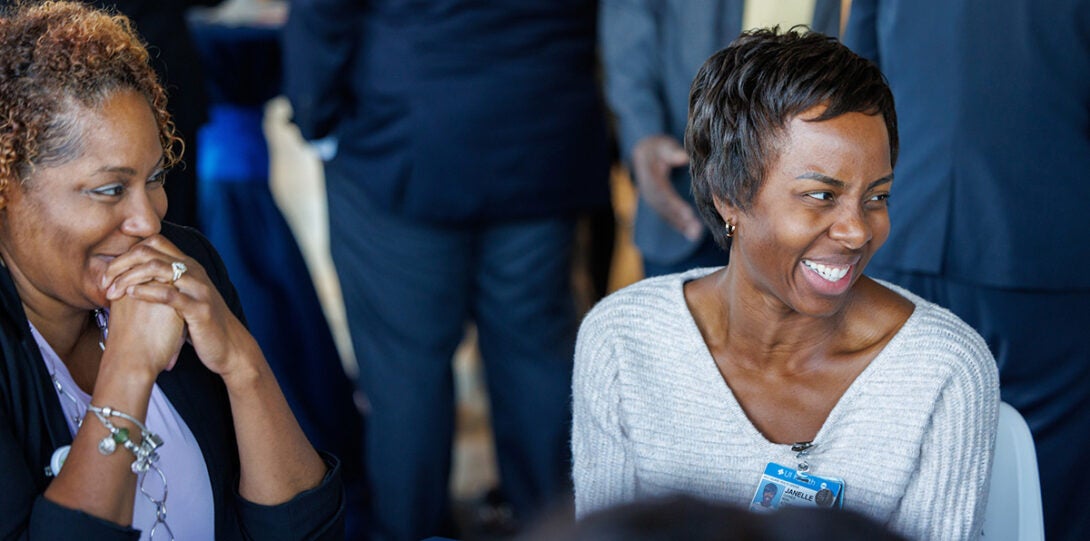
111,190
157,180
821,196
877,201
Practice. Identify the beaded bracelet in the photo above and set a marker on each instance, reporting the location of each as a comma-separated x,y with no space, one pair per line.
144,451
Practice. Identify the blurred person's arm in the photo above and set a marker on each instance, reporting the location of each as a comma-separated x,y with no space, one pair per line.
633,87
630,52
319,41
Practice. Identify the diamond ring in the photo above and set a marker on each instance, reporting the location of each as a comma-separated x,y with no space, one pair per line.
179,269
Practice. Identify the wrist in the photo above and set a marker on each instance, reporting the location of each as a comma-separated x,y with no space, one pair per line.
243,377
116,373
247,370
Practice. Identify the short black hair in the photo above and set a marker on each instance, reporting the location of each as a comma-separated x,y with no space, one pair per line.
744,96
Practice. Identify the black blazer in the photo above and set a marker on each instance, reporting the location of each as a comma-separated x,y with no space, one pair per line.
454,110
32,426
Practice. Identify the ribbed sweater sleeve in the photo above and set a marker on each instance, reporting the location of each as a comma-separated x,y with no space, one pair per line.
946,496
599,446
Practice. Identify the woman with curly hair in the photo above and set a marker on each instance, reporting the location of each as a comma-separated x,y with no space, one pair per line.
129,385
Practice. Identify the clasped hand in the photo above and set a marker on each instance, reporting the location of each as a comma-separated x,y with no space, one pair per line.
150,312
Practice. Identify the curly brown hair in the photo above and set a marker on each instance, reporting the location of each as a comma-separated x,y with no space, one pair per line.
59,57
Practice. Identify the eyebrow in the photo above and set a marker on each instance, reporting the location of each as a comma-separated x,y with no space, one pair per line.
116,169
826,179
128,170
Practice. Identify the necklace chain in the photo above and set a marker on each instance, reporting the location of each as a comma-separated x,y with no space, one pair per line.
102,320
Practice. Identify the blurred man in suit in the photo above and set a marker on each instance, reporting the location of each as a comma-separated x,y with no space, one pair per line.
468,138
993,99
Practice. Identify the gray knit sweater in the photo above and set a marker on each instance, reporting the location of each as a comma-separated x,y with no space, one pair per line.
912,437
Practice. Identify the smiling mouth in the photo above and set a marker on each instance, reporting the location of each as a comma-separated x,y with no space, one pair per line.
828,272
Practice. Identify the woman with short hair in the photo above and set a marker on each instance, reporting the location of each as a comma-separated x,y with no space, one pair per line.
788,366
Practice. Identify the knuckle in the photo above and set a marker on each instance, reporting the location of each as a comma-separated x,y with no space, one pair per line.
143,250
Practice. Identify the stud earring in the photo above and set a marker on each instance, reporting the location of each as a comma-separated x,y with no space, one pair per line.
730,229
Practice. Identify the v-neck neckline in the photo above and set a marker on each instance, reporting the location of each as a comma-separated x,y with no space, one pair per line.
705,363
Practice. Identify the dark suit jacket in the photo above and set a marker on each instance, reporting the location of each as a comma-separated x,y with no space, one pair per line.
993,103
32,426
651,50
454,110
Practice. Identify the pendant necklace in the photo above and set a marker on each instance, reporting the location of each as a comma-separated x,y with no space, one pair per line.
101,320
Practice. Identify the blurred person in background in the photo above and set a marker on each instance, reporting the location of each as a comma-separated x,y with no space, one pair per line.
463,139
995,102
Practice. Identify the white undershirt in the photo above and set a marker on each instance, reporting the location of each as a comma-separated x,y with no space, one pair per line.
190,511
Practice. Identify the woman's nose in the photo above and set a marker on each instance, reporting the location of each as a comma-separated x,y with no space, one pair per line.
141,217
851,228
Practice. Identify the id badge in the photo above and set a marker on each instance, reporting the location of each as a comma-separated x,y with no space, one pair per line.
781,486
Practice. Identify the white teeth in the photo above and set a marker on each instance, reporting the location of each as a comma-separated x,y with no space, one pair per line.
832,274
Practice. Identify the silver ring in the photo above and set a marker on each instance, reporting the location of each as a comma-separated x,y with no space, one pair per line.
179,269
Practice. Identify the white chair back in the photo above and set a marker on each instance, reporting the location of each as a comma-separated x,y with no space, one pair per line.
1014,499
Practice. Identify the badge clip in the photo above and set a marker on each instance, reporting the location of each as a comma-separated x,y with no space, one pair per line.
801,449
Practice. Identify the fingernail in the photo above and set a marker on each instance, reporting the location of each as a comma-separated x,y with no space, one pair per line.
110,292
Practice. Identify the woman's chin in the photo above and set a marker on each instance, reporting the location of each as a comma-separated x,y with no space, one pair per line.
808,303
